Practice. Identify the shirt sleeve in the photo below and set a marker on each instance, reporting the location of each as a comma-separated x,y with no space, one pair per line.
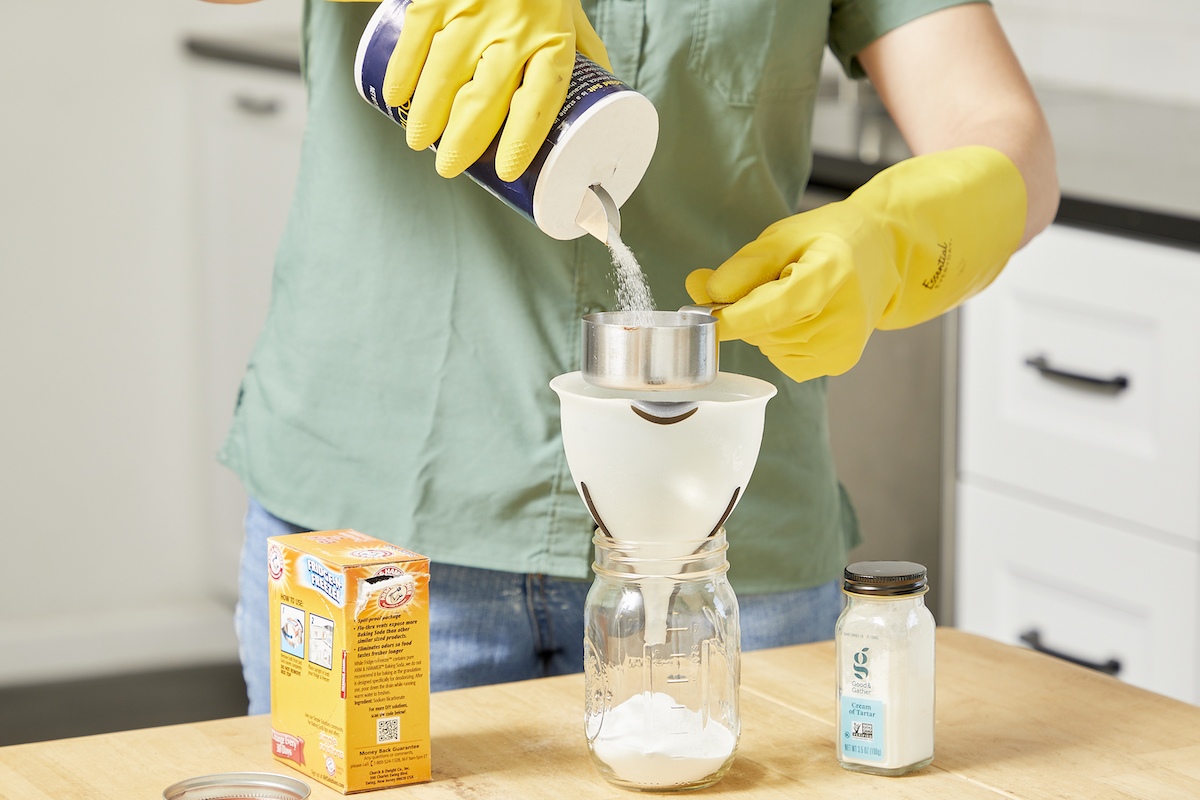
854,24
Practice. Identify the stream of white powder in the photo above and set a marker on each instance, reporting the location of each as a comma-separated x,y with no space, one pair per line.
633,294
677,748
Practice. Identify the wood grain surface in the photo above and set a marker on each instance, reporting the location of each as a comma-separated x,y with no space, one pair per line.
1011,723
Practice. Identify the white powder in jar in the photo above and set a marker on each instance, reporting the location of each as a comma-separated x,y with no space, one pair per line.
650,741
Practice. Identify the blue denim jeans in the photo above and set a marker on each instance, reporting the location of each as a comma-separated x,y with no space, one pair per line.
493,627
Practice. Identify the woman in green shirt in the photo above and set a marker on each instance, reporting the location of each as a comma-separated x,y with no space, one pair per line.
400,383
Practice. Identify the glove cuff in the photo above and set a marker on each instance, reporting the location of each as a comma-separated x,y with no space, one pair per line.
954,219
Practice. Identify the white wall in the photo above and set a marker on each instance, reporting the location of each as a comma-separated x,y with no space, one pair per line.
1149,48
103,547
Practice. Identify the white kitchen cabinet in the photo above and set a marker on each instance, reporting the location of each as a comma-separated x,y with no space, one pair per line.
248,128
1078,513
1123,315
1096,593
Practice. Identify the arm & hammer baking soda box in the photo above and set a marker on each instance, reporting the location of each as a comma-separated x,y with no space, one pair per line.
349,659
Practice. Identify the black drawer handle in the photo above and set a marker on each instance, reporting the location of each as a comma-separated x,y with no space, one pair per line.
259,106
1114,384
1034,639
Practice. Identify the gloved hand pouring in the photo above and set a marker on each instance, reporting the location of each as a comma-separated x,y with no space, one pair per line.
471,66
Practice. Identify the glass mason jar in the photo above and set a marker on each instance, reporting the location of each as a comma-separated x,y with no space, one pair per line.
662,664
885,653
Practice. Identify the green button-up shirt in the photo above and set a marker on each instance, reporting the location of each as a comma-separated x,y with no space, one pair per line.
400,385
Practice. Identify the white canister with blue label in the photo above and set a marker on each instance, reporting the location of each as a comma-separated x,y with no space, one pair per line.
884,643
604,136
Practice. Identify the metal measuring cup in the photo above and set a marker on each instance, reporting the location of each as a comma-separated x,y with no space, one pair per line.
677,352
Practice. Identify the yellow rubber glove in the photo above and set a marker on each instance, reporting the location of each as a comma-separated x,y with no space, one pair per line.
469,64
915,241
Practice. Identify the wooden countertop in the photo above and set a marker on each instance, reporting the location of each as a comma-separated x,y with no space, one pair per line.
1011,723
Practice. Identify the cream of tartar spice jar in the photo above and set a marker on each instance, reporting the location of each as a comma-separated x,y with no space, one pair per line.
885,653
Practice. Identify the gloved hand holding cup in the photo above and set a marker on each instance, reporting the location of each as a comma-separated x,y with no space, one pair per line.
915,241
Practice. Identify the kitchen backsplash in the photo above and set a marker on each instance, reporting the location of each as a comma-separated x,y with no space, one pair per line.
1148,49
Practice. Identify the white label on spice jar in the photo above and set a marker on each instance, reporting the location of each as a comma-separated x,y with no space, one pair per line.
862,729
863,723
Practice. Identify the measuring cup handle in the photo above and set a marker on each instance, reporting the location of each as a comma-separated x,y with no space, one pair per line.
702,310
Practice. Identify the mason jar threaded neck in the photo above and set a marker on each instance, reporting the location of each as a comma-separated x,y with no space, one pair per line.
682,560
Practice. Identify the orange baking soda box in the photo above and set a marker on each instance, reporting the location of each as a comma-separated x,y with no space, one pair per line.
349,659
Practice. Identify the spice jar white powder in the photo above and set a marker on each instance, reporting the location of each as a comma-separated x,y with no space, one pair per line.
885,661
650,741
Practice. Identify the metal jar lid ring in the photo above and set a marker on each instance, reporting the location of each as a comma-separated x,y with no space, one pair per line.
238,785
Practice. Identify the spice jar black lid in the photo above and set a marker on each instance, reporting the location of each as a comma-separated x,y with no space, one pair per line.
885,578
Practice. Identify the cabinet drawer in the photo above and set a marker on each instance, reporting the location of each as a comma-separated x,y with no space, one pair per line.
1089,591
1081,377
241,99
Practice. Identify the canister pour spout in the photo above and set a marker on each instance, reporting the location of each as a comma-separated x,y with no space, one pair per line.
600,220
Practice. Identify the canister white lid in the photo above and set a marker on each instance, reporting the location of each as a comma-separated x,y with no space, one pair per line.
611,144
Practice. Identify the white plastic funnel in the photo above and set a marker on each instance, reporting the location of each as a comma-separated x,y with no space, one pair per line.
662,466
